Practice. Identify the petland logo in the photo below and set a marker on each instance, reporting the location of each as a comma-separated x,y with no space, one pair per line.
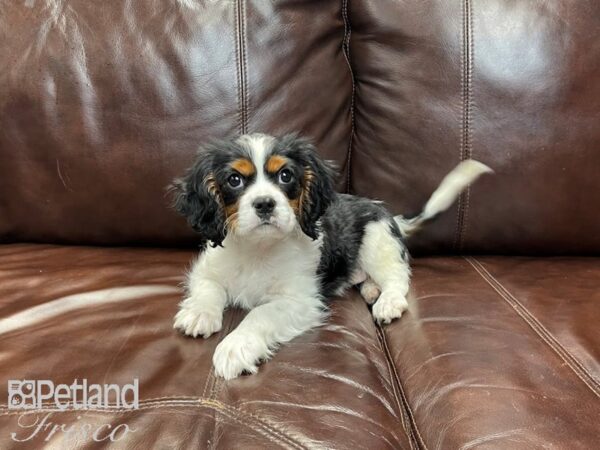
38,394
39,400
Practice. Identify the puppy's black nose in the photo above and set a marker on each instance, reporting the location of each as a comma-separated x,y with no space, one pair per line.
264,205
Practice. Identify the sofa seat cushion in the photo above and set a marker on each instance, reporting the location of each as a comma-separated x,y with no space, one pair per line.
493,352
105,314
501,352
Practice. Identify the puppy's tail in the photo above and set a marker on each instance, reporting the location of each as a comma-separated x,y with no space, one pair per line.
445,195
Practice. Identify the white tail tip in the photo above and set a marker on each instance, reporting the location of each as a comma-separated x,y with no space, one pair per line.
445,195
452,185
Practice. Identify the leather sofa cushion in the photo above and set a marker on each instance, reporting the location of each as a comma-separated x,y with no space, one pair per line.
511,83
102,107
493,351
106,315
501,352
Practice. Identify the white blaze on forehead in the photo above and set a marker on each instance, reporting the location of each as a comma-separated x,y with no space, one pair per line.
259,146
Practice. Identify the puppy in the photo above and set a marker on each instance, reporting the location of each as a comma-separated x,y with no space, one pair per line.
278,241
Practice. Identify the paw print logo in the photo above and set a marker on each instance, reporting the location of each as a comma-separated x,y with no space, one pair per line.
21,394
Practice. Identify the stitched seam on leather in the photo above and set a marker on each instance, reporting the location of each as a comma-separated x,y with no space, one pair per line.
396,379
283,436
394,392
218,382
164,404
256,425
405,424
237,65
208,380
346,52
240,65
469,135
260,430
537,327
216,386
244,47
466,97
252,421
459,203
211,380
168,399
214,380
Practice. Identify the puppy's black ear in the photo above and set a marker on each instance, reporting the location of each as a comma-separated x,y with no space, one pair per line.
196,197
318,184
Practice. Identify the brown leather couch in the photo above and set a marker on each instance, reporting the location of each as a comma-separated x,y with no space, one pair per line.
103,103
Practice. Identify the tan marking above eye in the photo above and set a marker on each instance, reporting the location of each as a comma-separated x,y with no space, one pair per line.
243,166
275,162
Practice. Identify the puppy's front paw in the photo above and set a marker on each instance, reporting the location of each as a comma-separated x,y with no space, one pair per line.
195,321
389,306
238,353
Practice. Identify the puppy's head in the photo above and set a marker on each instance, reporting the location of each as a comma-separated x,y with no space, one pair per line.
257,187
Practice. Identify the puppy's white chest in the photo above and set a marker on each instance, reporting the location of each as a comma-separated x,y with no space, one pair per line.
253,275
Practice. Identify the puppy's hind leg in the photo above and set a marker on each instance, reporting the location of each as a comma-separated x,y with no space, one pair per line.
385,259
369,291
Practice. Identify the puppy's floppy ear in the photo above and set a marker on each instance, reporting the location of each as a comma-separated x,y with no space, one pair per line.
318,184
196,197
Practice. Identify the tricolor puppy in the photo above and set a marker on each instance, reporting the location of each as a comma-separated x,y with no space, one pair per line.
281,241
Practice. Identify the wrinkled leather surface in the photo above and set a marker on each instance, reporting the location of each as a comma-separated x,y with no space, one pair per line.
511,83
101,107
493,353
501,353
331,388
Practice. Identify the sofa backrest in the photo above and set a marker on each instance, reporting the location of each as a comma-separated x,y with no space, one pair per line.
101,106
513,83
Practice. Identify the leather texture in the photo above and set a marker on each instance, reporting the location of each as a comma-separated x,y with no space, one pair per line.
101,109
495,352
501,352
107,315
510,83
101,106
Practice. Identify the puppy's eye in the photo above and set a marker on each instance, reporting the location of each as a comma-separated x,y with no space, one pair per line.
285,176
235,181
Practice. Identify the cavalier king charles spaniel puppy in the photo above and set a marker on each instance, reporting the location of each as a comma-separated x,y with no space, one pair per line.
277,240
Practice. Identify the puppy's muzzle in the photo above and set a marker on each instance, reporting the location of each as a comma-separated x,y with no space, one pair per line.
264,206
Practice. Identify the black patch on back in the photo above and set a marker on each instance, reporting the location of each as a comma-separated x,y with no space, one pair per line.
343,225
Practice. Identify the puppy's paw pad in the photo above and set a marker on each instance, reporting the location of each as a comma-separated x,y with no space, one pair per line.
369,291
389,306
239,353
194,322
